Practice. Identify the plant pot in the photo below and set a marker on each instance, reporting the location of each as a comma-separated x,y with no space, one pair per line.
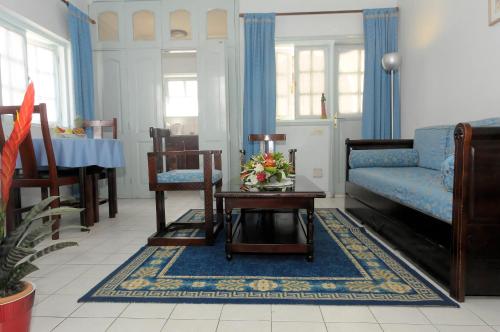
15,310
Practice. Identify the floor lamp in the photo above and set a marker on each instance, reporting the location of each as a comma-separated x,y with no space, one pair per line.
391,63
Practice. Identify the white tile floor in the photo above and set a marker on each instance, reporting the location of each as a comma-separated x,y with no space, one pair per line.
66,275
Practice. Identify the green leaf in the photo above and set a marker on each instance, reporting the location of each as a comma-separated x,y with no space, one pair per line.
56,212
19,272
42,236
38,208
14,257
51,248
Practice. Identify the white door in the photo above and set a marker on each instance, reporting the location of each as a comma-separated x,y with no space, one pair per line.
213,115
110,86
144,110
349,69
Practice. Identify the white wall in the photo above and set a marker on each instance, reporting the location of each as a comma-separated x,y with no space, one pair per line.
450,70
50,14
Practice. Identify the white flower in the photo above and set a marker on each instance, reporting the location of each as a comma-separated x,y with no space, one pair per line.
259,168
253,179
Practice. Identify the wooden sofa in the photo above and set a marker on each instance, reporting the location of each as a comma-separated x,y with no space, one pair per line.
463,255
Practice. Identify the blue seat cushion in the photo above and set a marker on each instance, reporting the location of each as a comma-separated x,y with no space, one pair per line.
187,175
416,187
448,172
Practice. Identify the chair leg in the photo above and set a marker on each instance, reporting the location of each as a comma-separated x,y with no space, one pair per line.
95,194
160,211
54,191
16,200
10,214
112,194
209,215
45,194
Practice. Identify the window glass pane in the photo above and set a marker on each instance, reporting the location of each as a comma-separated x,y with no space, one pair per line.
191,88
15,47
144,25
182,98
318,60
305,83
349,61
107,26
176,89
305,60
282,63
348,104
217,24
348,83
316,104
362,83
180,25
282,107
318,83
282,85
12,67
305,105
362,60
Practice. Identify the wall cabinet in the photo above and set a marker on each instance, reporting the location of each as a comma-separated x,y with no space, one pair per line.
128,42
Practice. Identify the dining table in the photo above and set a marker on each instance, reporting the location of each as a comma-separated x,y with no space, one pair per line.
82,153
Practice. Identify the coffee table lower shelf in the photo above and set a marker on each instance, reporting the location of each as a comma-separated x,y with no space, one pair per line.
268,232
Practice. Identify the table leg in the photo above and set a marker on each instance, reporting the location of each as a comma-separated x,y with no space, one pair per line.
229,233
82,174
310,234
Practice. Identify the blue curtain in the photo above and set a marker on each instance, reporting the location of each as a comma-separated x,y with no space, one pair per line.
381,37
259,106
83,73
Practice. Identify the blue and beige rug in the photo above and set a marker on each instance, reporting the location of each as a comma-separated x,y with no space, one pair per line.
350,267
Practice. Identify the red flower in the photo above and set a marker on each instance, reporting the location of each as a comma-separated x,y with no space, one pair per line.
261,177
22,125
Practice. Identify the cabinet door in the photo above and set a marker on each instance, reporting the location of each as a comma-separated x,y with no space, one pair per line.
109,32
213,116
143,111
110,96
180,20
217,20
143,24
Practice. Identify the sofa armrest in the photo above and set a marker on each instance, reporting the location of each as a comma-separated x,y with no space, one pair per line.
476,208
373,144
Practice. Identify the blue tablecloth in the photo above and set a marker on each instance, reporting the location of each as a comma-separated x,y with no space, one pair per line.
81,152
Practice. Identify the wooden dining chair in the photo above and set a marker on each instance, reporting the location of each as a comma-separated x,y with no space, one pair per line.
30,176
98,129
267,144
165,177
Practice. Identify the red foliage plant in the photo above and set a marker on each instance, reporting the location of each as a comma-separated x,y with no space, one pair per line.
22,125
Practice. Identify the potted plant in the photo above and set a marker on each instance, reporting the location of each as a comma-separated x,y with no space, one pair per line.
18,249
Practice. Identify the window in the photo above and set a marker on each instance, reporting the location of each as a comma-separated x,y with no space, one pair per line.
301,73
217,24
26,55
182,96
143,25
13,66
350,62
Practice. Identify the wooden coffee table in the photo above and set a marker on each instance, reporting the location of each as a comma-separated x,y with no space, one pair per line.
270,221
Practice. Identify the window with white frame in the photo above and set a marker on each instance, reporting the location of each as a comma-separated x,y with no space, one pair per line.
26,55
181,95
350,67
301,80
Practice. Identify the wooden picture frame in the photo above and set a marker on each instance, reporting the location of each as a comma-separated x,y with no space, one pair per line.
494,11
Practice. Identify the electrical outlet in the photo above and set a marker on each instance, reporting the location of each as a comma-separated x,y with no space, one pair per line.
317,172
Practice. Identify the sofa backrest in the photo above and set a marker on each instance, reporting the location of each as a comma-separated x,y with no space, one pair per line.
431,144
435,144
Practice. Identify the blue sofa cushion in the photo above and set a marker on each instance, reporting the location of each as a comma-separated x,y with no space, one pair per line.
448,172
187,175
432,144
416,187
383,158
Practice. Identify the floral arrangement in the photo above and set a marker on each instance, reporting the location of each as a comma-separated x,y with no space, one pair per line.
265,168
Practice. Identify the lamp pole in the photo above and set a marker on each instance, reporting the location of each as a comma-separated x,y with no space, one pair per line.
391,63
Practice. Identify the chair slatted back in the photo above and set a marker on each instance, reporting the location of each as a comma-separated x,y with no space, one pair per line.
160,138
98,127
26,149
267,141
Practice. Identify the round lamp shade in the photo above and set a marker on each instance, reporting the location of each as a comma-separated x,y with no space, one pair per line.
391,61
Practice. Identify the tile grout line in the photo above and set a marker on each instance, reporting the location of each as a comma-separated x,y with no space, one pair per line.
116,318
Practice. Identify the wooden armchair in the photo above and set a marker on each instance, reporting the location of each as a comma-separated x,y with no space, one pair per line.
98,173
267,143
162,177
29,176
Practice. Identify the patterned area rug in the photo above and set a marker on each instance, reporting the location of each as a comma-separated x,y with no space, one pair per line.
350,268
